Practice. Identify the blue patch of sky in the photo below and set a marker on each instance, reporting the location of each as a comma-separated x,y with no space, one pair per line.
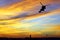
54,19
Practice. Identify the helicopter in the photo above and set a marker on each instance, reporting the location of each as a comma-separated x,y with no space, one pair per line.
42,8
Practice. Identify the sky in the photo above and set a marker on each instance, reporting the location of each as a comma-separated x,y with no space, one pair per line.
17,17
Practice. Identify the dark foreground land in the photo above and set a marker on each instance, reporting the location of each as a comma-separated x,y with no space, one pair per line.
50,38
30,38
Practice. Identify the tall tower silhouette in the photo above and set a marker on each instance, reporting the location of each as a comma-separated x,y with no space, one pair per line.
30,36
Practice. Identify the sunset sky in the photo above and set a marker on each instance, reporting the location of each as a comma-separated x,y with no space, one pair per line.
17,18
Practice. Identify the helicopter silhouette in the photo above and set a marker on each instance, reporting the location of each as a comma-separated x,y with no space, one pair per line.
42,8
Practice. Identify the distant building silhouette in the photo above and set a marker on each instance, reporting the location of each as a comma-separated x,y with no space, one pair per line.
30,36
